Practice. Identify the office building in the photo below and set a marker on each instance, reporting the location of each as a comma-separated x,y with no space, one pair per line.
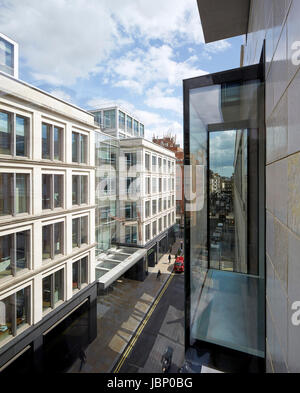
47,229
118,122
9,56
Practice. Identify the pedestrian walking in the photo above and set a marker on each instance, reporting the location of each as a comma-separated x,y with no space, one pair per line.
169,257
158,275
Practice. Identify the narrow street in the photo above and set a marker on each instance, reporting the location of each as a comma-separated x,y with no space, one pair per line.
164,328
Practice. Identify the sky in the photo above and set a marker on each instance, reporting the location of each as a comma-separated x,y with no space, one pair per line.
131,52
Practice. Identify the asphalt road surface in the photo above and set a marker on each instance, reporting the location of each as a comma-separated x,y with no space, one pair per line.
164,328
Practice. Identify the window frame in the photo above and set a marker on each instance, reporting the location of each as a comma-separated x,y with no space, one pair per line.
54,256
12,120
52,126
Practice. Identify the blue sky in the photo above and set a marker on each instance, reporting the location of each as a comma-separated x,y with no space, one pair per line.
131,52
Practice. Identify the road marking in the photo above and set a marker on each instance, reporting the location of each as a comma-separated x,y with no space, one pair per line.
142,326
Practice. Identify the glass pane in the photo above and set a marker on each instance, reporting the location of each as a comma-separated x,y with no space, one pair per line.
129,125
23,239
58,191
75,232
6,246
122,120
47,242
6,317
75,275
21,136
58,238
75,186
75,144
222,119
46,141
83,148
6,57
21,193
5,194
84,230
46,293
58,144
228,209
110,119
84,189
5,133
136,128
59,286
84,267
46,185
23,303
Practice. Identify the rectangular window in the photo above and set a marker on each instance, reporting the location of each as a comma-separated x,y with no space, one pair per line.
154,226
22,136
129,124
165,166
130,235
52,142
80,273
154,207
160,184
52,191
147,232
136,128
154,160
147,209
53,239
110,118
53,290
160,205
154,185
147,186
79,148
14,253
159,163
147,162
160,225
14,193
165,185
79,189
79,231
131,159
165,204
142,130
165,222
130,210
7,57
121,120
14,134
14,313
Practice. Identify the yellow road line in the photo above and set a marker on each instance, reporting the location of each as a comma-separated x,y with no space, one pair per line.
142,326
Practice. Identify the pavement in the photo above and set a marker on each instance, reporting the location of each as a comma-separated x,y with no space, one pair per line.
165,328
120,313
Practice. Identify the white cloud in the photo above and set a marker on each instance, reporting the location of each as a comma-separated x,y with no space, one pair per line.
156,65
158,98
61,94
130,84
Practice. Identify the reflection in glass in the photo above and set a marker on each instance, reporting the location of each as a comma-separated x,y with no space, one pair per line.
58,193
5,133
6,248
84,230
23,301
58,238
84,189
84,271
7,306
21,193
58,286
6,57
46,246
46,141
5,193
83,149
75,194
75,232
21,136
75,275
75,144
226,300
57,143
47,293
22,253
46,191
